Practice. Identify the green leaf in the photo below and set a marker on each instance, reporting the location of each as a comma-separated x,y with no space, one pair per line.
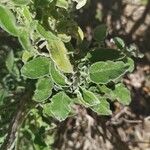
100,32
7,21
104,72
36,68
122,94
10,61
104,54
43,89
103,108
26,56
57,49
46,34
21,2
89,98
59,106
80,34
119,42
62,4
24,39
57,76
130,62
58,53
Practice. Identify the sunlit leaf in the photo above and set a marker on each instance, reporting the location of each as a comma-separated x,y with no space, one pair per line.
58,53
80,34
57,49
80,3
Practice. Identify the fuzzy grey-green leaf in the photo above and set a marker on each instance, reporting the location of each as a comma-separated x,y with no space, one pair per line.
59,106
104,72
89,98
43,89
36,68
57,76
103,108
58,53
24,39
122,94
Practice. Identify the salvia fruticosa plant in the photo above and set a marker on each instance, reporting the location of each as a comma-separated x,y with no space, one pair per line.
58,65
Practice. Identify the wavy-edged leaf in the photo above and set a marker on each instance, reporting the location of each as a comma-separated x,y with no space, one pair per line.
104,72
43,89
103,108
89,98
59,106
36,68
57,76
7,21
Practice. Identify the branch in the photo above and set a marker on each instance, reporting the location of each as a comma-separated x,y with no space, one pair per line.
18,118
